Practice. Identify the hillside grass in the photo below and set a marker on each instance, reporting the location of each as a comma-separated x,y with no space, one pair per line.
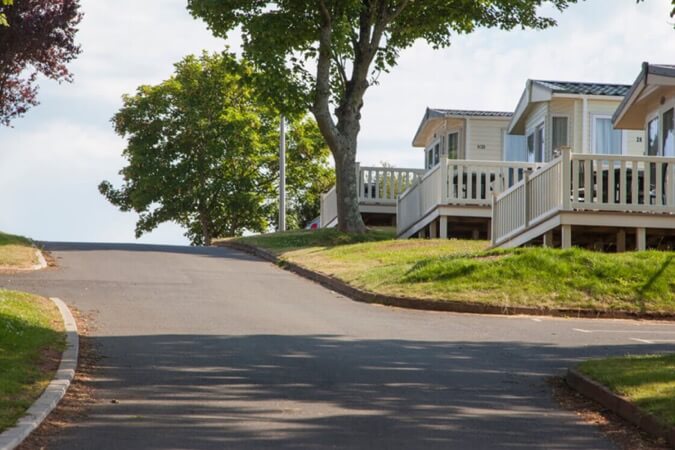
31,342
647,380
16,252
465,270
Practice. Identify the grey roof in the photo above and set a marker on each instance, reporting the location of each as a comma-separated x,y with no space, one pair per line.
580,88
666,70
436,112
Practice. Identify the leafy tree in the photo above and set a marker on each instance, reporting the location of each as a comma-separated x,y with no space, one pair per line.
323,55
203,152
3,16
36,37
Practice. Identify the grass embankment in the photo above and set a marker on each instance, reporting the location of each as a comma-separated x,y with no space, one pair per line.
16,252
467,271
31,342
648,381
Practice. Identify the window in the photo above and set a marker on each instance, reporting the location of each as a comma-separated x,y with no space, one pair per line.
669,133
453,145
430,157
653,137
437,153
539,144
607,140
559,132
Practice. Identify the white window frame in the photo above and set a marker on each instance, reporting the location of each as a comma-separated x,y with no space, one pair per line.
456,131
656,115
533,131
569,134
595,117
430,148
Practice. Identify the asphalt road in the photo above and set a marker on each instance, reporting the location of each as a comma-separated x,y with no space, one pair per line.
213,349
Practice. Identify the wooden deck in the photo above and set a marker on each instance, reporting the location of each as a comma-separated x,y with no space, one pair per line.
596,201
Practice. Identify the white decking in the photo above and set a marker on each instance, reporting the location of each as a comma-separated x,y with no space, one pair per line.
587,190
455,188
378,189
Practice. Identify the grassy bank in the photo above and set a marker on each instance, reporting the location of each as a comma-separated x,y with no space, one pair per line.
16,252
465,270
31,342
648,381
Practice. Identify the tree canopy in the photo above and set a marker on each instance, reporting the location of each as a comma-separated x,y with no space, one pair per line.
323,55
203,152
37,37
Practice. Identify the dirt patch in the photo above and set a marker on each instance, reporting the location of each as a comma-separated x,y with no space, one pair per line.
625,435
80,395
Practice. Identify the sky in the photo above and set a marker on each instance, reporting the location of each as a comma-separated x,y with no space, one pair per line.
53,159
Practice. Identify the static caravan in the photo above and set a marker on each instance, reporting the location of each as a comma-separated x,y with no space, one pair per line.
609,178
555,114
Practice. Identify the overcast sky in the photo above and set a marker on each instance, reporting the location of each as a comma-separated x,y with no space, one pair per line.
53,159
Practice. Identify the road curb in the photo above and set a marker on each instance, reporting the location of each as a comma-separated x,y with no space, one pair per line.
56,389
619,405
456,306
42,262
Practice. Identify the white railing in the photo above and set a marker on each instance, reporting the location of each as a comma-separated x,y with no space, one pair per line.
623,183
419,199
381,185
528,202
585,182
472,182
460,182
376,185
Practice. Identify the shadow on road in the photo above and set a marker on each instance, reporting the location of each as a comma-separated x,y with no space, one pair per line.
322,391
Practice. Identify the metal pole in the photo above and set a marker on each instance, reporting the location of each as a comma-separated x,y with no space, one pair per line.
282,175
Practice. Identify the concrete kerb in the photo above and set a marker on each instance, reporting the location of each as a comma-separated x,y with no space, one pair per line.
54,392
620,406
456,306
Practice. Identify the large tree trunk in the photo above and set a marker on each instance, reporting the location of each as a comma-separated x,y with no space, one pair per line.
349,216
206,229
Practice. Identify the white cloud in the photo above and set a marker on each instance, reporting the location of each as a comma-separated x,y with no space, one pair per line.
52,162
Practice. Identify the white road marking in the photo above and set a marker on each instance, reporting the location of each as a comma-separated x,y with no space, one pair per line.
534,319
644,341
581,330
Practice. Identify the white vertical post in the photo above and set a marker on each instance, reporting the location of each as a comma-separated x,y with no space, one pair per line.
566,177
585,126
621,240
443,229
433,229
641,239
566,231
526,209
548,239
282,175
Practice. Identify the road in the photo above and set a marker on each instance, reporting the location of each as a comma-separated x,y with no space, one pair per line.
207,348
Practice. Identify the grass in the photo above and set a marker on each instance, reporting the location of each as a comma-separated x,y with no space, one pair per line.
467,271
31,342
16,252
648,381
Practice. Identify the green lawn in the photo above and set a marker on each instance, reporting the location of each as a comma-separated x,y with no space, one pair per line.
16,252
31,333
466,270
648,381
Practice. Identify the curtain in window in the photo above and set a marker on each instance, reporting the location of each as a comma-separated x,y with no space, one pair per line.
653,137
669,133
559,135
607,139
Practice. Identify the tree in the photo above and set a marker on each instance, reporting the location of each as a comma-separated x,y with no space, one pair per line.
37,37
203,151
323,55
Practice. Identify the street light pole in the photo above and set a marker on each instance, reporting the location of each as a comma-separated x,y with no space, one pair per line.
282,175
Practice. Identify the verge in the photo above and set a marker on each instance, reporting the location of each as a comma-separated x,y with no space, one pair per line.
620,406
54,392
457,306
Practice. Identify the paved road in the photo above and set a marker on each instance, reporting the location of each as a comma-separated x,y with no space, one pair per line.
212,349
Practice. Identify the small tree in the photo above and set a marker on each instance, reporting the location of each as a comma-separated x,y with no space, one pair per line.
36,37
323,55
203,152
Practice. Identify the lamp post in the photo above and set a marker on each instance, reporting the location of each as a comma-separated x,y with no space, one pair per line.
282,175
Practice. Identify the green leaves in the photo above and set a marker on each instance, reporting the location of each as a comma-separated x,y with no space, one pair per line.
3,17
203,152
